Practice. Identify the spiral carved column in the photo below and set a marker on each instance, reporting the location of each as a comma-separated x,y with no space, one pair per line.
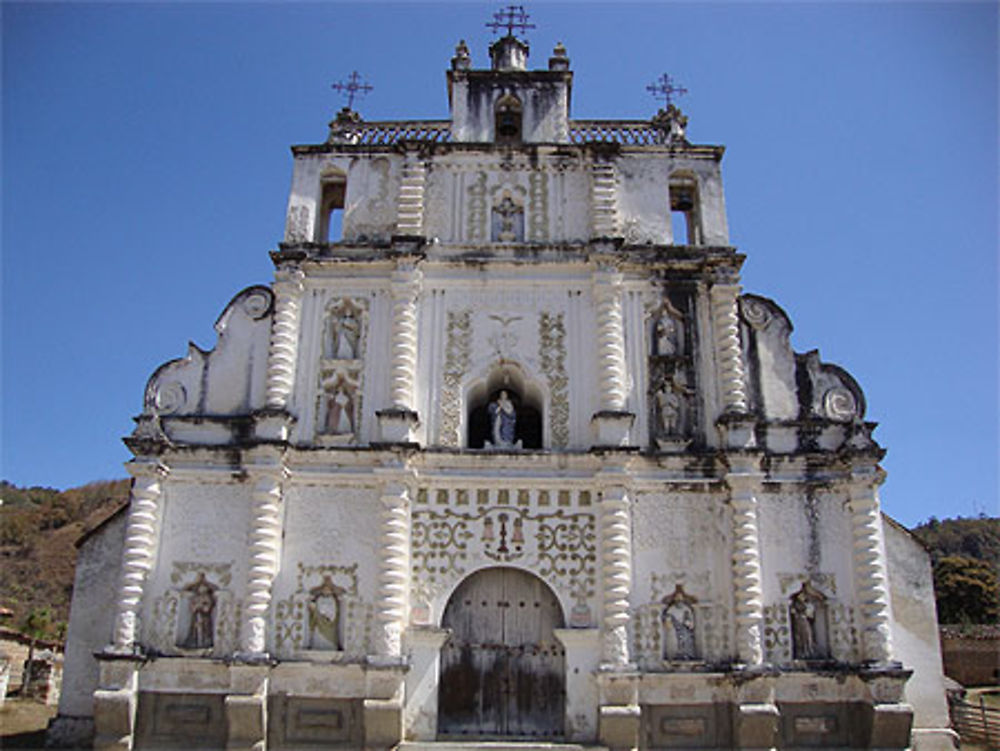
870,582
283,350
610,340
748,595
729,358
405,285
141,543
265,553
394,569
616,575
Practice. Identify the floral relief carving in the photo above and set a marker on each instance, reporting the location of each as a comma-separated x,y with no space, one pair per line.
538,198
458,348
552,356
477,213
451,536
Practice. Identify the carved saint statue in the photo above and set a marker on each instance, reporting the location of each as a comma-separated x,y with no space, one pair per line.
340,411
346,330
324,615
668,404
503,420
804,610
678,627
665,335
201,605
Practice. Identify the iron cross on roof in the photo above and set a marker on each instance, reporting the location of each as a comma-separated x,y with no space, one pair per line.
664,88
352,88
512,17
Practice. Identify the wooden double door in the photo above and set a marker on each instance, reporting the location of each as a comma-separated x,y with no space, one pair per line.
503,672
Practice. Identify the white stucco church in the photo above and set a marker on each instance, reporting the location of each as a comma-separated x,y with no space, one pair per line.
510,458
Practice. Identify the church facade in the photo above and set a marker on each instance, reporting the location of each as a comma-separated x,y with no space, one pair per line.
512,458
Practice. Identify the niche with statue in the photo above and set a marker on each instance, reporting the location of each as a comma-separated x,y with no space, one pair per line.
504,412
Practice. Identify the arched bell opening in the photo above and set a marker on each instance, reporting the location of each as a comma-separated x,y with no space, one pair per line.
505,396
508,117
503,672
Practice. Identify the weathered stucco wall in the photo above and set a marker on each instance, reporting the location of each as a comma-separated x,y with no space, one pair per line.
915,633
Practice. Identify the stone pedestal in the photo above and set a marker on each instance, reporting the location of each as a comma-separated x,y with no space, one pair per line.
115,702
397,426
273,426
757,726
582,647
246,708
423,646
619,714
611,428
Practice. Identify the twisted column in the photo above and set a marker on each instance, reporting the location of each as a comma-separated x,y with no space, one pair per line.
610,340
616,574
748,595
265,552
283,349
729,358
405,286
870,582
139,554
394,569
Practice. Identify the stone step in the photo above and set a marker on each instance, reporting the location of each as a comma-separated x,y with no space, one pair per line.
510,745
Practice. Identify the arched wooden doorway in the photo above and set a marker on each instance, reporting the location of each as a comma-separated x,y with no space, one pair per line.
503,672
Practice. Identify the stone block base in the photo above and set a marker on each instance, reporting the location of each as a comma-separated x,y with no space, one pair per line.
246,721
757,726
891,725
618,726
383,722
114,719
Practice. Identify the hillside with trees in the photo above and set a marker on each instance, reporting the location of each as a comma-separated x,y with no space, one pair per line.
38,529
966,558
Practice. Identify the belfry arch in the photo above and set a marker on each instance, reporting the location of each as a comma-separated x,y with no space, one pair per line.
503,671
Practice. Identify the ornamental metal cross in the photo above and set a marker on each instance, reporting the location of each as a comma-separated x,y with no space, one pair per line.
512,17
353,87
664,87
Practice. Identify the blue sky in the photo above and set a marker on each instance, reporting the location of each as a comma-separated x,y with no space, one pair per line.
146,166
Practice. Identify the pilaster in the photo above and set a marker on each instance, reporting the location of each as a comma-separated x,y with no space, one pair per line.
616,577
394,569
744,481
410,211
398,423
870,581
282,352
604,199
265,555
140,549
613,421
730,373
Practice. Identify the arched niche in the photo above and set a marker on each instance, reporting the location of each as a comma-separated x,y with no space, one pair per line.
528,404
508,119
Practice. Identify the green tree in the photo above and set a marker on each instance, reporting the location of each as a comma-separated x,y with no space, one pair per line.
967,590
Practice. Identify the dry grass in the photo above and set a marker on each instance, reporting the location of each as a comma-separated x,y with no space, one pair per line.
23,723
